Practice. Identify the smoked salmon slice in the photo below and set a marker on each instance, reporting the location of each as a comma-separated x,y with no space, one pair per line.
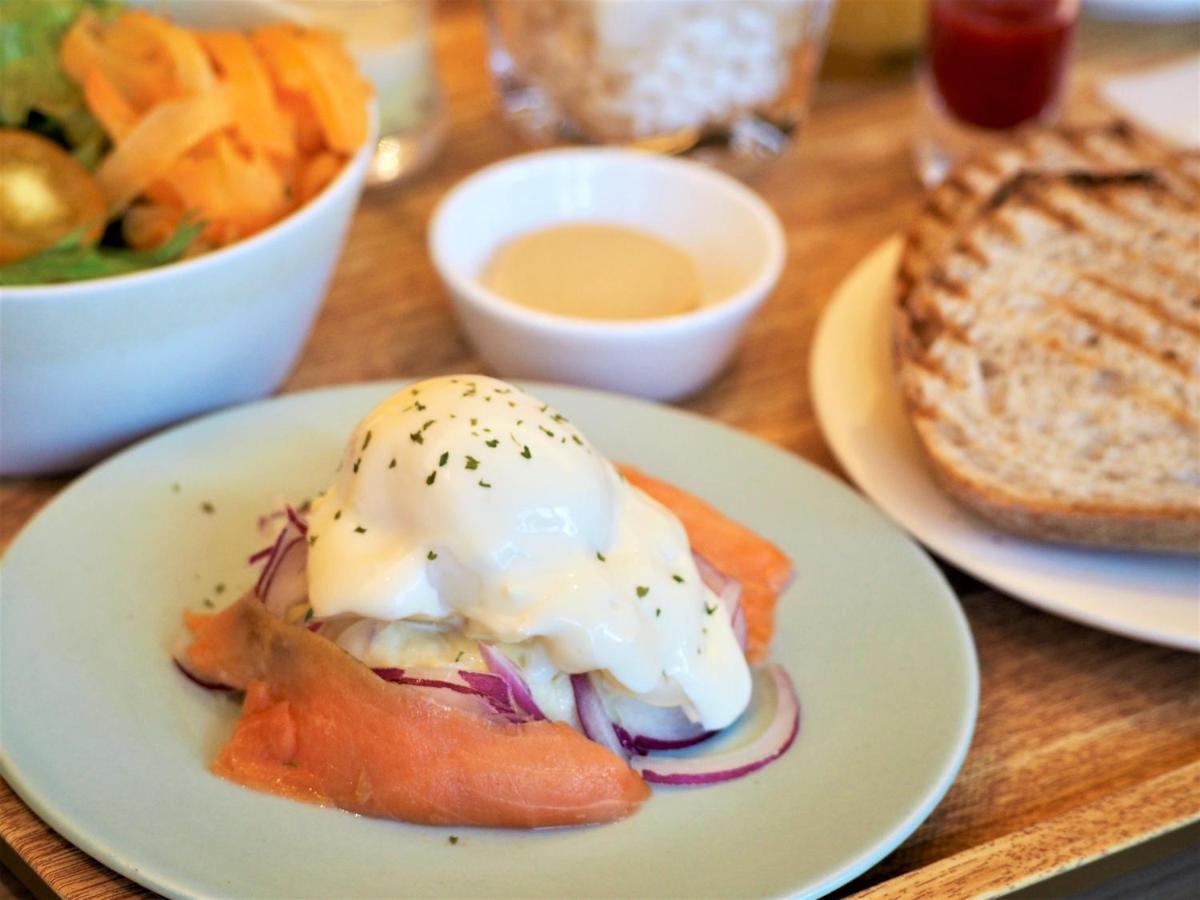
318,725
733,550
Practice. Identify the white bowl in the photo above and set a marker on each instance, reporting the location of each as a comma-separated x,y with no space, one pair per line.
734,237
88,366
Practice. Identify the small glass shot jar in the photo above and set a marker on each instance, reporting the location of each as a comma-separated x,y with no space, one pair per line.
991,66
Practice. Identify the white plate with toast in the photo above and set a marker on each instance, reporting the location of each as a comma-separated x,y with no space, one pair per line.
1147,596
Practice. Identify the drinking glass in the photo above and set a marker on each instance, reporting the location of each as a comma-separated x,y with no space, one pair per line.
991,66
391,42
729,80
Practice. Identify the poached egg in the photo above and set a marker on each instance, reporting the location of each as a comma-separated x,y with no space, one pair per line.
465,510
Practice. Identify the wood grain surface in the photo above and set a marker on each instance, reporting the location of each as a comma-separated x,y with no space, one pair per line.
1086,742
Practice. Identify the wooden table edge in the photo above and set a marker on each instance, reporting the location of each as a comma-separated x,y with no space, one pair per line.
1137,814
1081,836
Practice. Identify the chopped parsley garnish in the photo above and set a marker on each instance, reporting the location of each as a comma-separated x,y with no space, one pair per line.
207,602
658,612
358,529
709,610
546,431
357,463
494,442
460,655
472,462
420,406
484,484
525,452
558,417
366,440
207,508
487,399
576,439
417,438
312,539
678,578
219,589
642,590
600,556
337,515
453,839
431,555
474,422
425,427
392,464
432,477
443,459
308,614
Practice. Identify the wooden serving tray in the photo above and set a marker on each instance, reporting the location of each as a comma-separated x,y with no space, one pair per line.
1086,743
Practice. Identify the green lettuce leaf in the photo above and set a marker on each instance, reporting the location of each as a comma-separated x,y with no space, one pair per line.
34,90
70,260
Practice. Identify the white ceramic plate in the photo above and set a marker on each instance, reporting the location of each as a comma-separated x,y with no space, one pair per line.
1150,596
103,738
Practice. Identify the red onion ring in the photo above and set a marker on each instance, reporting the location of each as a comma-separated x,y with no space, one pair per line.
593,717
480,685
767,747
729,590
296,519
505,669
642,727
196,679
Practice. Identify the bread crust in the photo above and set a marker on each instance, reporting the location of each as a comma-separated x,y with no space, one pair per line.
918,323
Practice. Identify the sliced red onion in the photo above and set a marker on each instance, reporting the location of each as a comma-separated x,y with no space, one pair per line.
272,555
196,679
768,746
593,717
729,590
296,519
287,585
261,554
283,582
495,690
738,620
505,669
479,685
642,727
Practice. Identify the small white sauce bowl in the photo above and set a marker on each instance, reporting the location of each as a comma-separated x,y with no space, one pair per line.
733,236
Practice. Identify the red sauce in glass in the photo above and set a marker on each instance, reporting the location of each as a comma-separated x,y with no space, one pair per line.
998,63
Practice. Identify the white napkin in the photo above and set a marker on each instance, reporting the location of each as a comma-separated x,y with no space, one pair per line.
1165,99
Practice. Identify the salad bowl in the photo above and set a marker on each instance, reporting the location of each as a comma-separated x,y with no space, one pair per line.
88,366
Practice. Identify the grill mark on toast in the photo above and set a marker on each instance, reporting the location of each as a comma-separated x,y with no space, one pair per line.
1117,333
1142,301
1072,352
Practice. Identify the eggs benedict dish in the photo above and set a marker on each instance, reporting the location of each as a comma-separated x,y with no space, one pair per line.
476,577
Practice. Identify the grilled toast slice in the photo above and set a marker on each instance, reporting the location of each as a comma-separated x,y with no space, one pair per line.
1049,357
1115,147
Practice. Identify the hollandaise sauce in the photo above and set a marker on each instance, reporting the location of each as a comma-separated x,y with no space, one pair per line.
595,271
465,509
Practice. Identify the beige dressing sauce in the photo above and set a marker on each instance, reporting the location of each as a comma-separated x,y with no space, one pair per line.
594,271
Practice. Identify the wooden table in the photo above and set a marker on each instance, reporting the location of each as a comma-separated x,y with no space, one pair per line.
1086,742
